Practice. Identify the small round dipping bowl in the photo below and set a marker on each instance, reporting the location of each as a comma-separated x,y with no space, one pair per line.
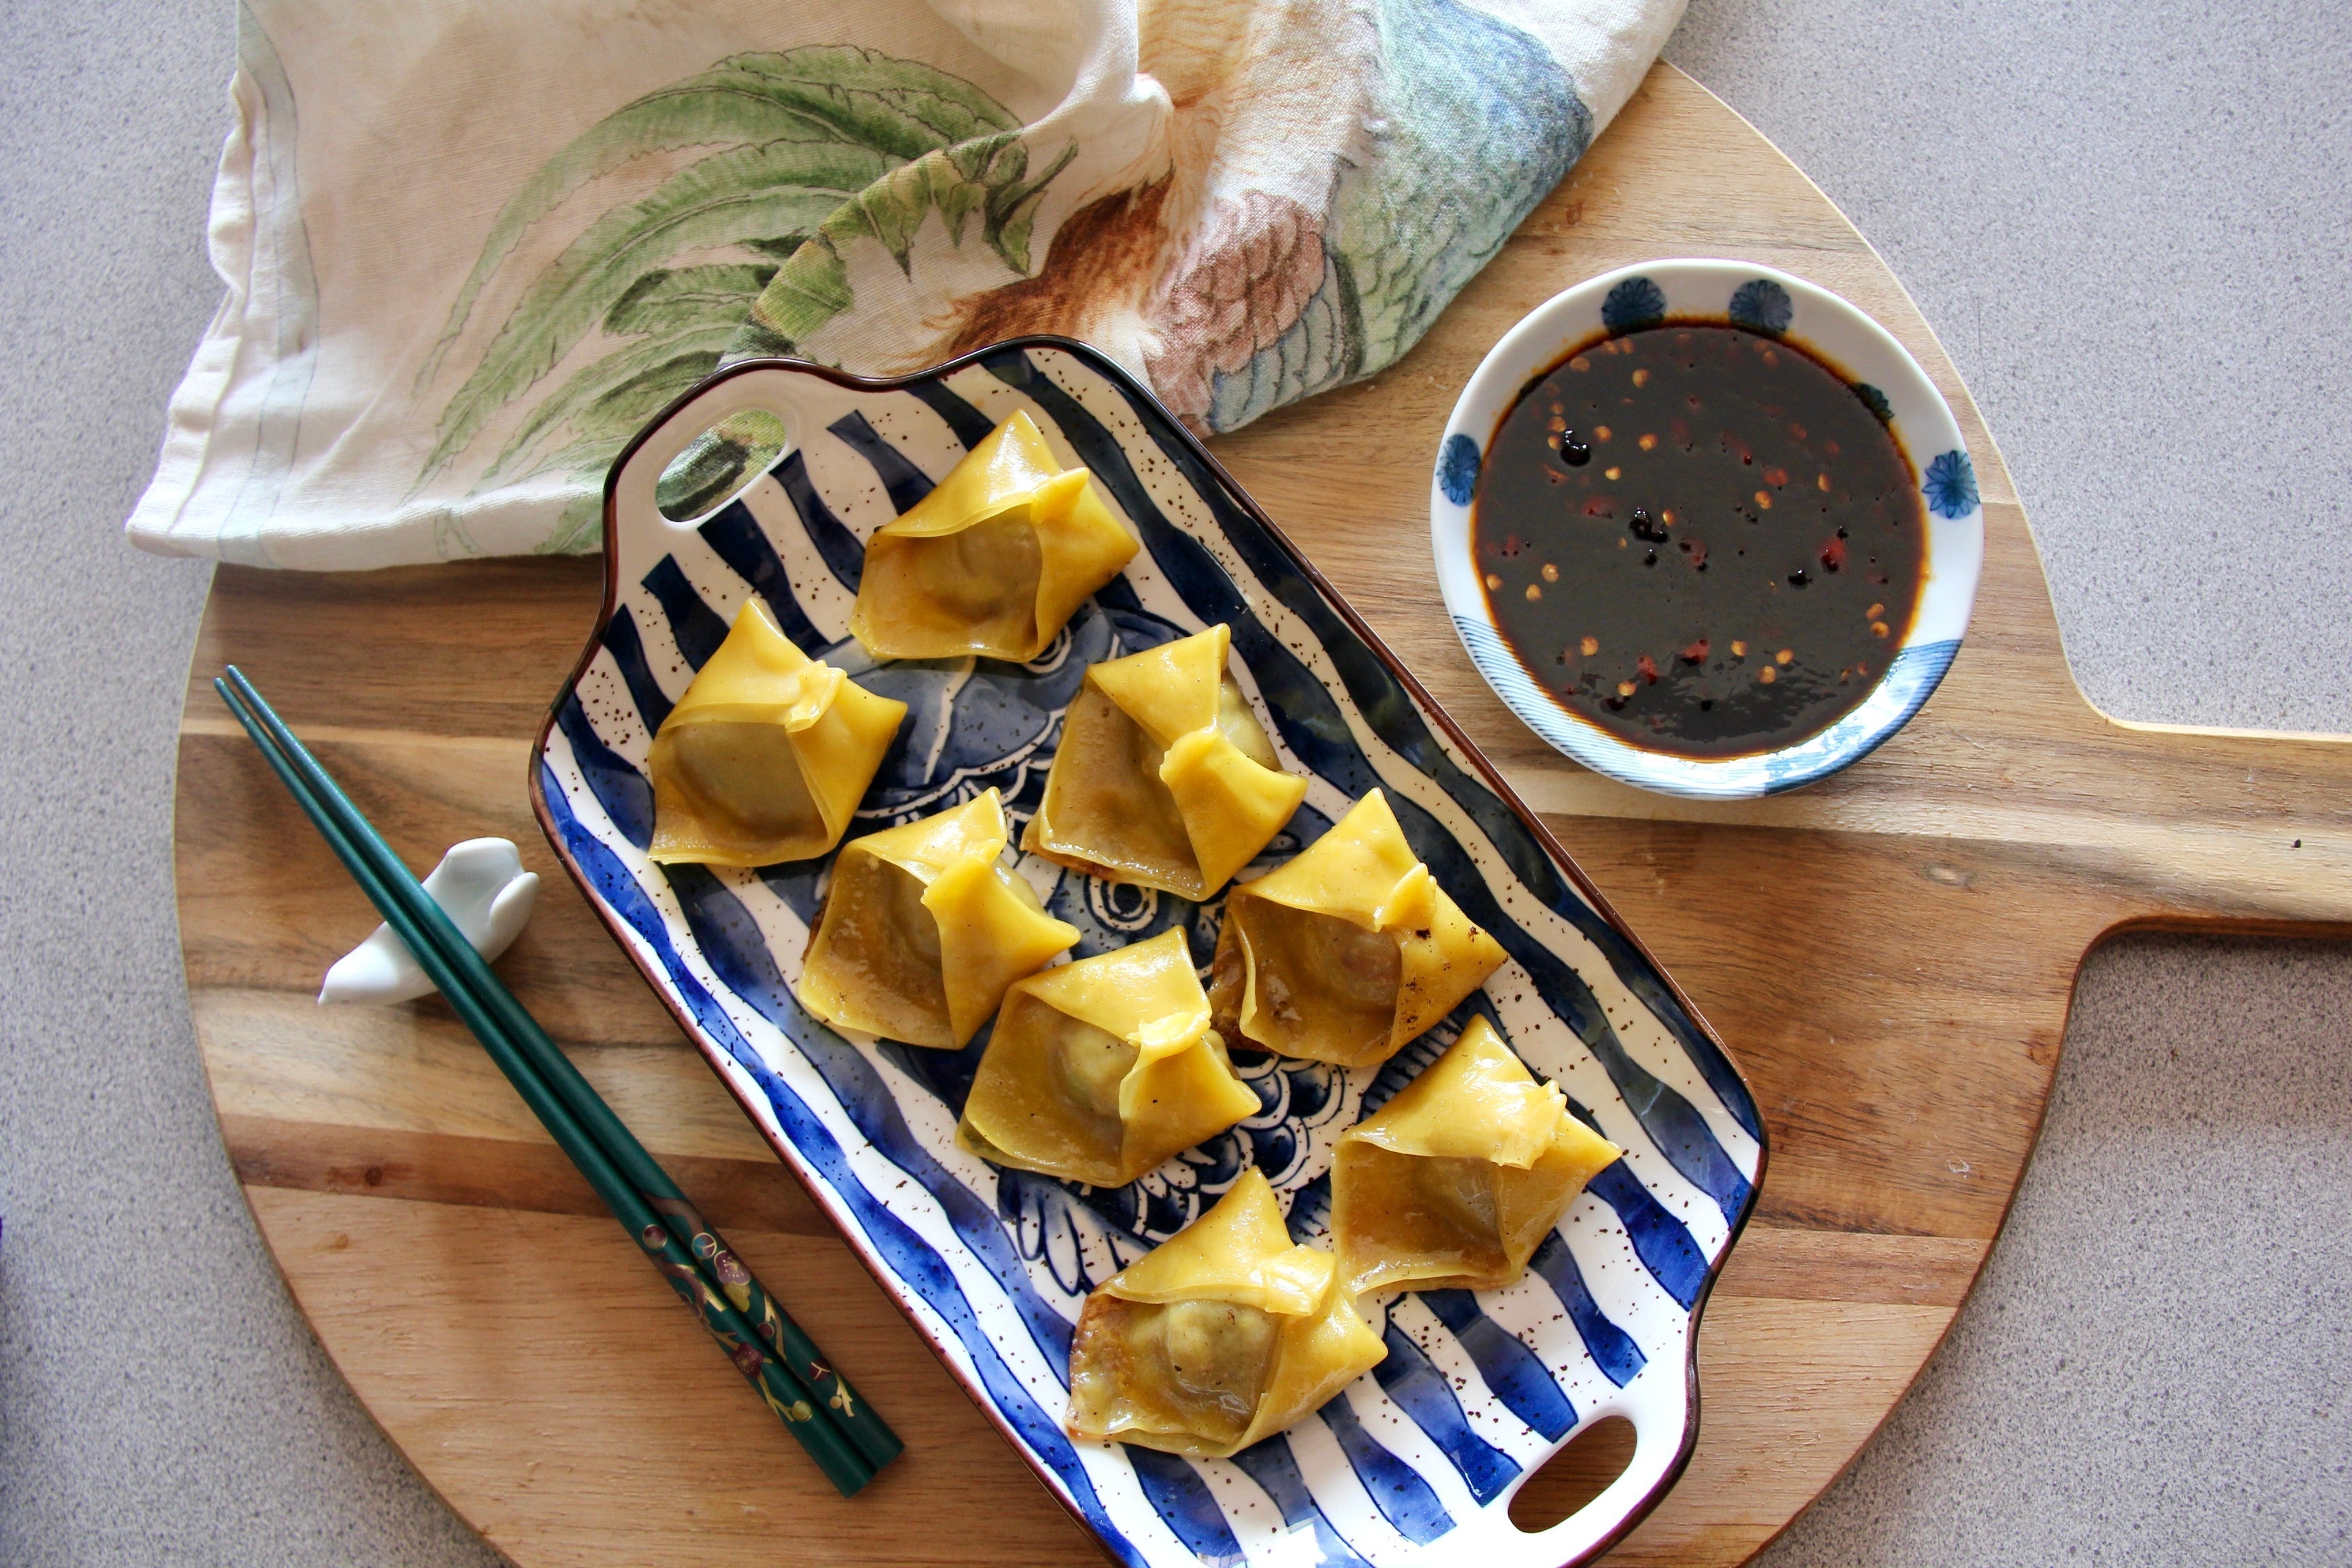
1740,294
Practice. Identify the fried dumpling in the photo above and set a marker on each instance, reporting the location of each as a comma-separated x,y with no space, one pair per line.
1163,777
1224,1334
1100,1069
994,561
923,931
766,756
1349,950
1458,1178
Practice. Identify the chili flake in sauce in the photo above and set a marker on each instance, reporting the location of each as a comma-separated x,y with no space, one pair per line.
1699,538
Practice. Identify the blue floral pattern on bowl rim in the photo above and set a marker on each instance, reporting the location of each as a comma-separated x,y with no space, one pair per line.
1887,380
1416,1462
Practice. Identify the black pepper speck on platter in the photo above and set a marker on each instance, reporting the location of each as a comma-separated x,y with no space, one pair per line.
1777,539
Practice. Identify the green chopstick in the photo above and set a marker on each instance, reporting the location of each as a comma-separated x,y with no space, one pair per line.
777,1387
689,1261
837,1402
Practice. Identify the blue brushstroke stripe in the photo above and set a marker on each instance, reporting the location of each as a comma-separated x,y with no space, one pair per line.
843,556
694,626
735,536
1391,714
1674,1124
1182,1498
1118,594
907,1254
1317,731
628,651
625,794
1395,1487
1421,1391
1516,1373
1660,1241
1612,1349
969,424
906,483
1649,988
1272,1465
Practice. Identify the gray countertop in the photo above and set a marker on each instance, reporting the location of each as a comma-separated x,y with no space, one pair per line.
2129,225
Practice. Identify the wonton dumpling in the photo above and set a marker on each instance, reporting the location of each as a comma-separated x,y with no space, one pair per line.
923,931
1224,1334
1100,1069
1460,1177
1163,777
1349,950
994,561
766,756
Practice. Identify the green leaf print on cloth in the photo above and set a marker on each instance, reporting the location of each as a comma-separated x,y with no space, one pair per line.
828,144
498,238
985,179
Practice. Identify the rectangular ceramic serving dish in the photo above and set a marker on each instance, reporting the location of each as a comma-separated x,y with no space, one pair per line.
1417,1461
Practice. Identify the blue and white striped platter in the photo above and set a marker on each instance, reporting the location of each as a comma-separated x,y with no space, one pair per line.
1417,1461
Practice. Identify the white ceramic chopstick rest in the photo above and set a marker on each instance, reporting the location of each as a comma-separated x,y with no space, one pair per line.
489,897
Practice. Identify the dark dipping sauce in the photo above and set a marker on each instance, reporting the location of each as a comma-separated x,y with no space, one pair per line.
1699,538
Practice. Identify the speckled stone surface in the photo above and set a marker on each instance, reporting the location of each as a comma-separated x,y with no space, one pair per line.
2125,221
161,1400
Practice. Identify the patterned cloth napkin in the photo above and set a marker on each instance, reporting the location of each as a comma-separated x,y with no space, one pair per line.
471,247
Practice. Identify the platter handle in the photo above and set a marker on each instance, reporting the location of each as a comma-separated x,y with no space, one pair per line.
800,395
1662,1419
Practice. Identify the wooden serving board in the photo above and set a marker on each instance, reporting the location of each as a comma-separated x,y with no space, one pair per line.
1889,955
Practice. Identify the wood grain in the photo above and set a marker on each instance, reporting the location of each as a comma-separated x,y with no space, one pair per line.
1889,954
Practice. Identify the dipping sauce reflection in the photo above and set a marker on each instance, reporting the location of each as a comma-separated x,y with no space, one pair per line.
1700,539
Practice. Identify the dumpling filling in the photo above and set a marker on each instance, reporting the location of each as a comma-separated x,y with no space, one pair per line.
1457,1180
766,755
1204,1364
1089,1065
1226,1333
978,586
748,781
923,933
1325,986
994,561
1100,1069
884,948
1461,1193
1163,777
1349,950
1106,770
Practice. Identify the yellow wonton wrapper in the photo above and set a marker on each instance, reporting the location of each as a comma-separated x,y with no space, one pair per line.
1349,950
923,931
1100,1069
994,561
766,756
1163,777
1224,1334
1460,1177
